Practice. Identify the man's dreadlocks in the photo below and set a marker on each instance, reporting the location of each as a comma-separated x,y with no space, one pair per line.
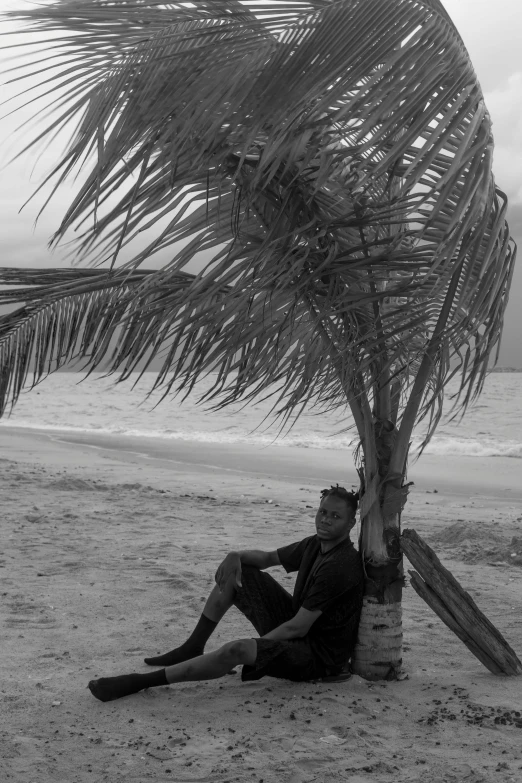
352,498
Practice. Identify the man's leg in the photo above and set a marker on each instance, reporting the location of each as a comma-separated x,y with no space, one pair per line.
217,604
263,601
215,664
204,667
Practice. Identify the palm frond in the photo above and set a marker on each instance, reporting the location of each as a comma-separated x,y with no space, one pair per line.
332,160
65,316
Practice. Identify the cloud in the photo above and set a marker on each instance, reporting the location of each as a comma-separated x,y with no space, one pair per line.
504,104
491,33
515,221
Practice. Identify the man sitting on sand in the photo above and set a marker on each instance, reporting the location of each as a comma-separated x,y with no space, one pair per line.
305,637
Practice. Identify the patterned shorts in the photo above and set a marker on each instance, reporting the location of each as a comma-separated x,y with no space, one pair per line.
266,604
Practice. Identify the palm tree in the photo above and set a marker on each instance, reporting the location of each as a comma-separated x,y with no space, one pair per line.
329,164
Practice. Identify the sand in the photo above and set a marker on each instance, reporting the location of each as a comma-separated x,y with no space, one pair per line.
108,555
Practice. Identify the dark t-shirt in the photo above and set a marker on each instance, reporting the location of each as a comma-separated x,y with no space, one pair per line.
333,583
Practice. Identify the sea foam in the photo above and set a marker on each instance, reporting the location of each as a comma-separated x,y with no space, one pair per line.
68,402
438,446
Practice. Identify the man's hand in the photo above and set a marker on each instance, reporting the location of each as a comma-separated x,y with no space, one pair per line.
231,566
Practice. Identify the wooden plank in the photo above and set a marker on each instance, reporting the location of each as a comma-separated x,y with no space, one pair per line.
432,599
458,604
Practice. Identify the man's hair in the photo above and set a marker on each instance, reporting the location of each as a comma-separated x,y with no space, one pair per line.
352,498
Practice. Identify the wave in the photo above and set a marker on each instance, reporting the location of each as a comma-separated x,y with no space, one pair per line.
440,445
464,447
305,441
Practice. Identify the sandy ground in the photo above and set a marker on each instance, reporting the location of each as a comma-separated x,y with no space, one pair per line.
108,555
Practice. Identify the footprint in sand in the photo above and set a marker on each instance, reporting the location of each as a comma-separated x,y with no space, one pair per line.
72,484
160,574
29,615
73,565
311,765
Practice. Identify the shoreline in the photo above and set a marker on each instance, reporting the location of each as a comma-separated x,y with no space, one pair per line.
497,477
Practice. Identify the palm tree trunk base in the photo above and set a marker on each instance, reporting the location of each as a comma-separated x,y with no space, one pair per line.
378,652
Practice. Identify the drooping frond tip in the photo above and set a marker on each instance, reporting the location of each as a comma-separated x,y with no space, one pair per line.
325,168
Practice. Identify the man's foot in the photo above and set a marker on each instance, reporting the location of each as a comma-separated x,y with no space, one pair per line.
110,688
178,655
193,647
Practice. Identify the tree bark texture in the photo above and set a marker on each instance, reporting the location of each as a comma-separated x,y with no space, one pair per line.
378,652
455,607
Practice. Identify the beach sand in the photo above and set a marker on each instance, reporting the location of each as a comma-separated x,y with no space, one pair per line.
109,550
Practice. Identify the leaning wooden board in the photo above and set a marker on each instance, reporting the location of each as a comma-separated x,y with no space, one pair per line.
455,607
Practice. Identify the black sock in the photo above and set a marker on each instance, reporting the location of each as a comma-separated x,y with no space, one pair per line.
110,688
194,646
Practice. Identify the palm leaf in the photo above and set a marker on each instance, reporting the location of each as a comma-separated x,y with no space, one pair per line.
66,316
332,160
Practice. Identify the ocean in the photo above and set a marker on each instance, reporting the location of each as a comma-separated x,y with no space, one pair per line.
492,427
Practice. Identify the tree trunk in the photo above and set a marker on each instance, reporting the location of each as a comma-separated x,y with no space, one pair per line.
378,652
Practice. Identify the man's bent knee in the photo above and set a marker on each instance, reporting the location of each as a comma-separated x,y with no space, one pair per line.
250,572
239,651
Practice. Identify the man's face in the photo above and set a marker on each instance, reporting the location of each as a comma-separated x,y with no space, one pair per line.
334,519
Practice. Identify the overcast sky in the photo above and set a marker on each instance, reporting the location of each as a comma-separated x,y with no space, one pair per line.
492,32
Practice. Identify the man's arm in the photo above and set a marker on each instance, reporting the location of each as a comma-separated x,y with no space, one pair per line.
231,565
259,558
295,628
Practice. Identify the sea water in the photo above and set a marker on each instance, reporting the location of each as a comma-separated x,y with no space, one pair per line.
96,404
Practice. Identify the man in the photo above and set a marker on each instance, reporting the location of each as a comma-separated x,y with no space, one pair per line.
305,637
